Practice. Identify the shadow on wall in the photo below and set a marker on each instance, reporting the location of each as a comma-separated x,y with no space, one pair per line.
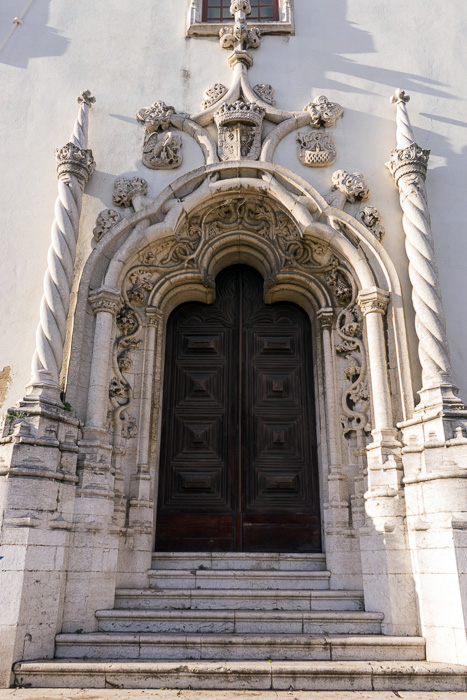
19,43
335,38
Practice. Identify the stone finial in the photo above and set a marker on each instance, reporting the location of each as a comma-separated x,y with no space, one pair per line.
353,185
400,96
86,98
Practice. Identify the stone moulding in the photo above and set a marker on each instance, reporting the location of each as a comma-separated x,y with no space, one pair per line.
196,27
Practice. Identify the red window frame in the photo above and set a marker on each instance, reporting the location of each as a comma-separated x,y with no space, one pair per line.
261,11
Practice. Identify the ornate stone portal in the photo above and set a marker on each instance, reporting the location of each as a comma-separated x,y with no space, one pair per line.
94,457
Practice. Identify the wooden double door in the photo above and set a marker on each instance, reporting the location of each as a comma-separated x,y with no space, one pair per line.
238,466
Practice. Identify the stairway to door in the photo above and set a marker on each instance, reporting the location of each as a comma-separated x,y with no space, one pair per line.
238,464
239,620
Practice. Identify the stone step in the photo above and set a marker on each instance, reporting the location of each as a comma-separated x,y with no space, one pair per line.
228,599
252,675
239,621
236,647
240,579
238,560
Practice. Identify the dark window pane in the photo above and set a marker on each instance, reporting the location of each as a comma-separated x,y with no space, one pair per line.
219,11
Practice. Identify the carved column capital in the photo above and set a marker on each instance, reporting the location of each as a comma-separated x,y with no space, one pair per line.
105,299
352,185
411,160
154,316
373,300
73,160
325,317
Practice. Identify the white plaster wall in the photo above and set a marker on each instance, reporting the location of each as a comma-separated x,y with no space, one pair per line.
129,54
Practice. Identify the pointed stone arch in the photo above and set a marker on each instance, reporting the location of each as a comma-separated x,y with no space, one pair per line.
170,251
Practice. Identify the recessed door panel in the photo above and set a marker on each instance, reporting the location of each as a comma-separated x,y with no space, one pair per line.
238,469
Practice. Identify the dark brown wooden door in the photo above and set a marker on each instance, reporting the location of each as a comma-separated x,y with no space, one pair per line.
238,467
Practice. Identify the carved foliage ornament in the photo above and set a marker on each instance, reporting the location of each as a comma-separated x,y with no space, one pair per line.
104,222
266,93
237,214
156,117
371,218
125,189
323,112
213,94
316,149
353,185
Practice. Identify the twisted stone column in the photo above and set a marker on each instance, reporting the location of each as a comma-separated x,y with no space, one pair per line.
75,164
408,166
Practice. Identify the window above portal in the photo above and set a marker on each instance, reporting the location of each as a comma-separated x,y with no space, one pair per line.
219,11
207,17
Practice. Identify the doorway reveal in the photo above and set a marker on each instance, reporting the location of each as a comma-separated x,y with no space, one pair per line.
238,467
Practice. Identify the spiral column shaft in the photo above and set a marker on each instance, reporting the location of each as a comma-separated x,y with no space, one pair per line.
75,164
408,165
